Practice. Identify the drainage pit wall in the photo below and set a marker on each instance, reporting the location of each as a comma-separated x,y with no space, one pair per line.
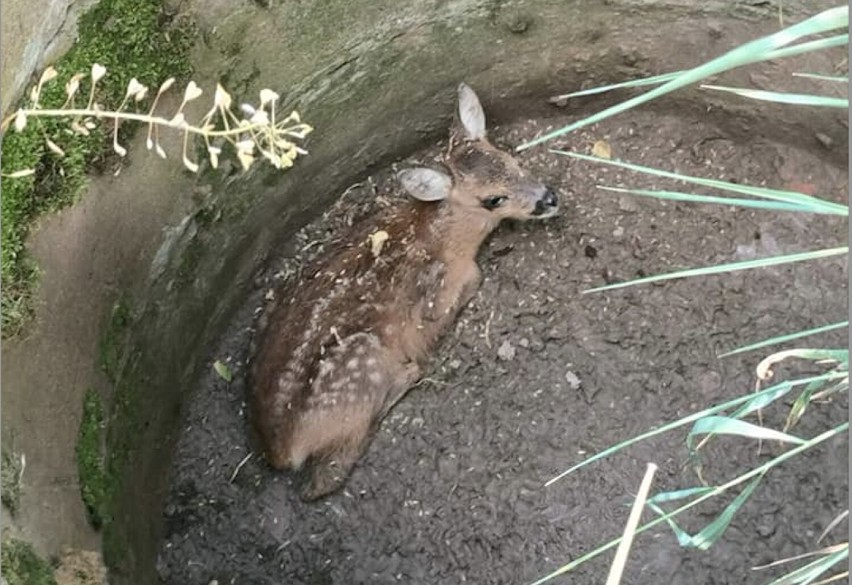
376,79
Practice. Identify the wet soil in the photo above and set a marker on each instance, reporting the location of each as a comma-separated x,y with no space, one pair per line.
537,375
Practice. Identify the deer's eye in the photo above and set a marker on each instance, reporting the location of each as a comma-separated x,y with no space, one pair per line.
494,202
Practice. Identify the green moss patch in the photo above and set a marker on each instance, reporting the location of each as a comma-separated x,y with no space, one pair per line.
90,459
131,38
20,565
12,467
113,337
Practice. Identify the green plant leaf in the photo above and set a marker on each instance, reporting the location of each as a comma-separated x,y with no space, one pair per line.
693,198
761,400
786,337
798,99
757,471
673,496
723,425
807,47
813,204
756,400
730,267
812,571
801,403
655,80
223,371
751,52
711,533
822,77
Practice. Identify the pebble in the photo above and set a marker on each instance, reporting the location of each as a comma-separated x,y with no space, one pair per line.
506,352
572,380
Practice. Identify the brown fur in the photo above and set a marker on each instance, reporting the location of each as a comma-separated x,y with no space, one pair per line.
344,345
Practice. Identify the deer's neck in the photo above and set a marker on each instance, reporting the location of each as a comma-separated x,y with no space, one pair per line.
466,230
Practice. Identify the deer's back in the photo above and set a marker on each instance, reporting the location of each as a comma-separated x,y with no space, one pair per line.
347,291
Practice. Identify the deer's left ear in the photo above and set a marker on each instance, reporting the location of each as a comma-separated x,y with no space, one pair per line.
425,184
470,113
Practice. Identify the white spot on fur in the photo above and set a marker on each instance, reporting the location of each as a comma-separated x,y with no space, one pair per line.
375,377
352,364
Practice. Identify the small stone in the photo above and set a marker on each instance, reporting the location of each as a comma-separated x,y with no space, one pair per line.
558,332
618,232
524,342
627,203
824,140
572,379
517,22
455,364
506,352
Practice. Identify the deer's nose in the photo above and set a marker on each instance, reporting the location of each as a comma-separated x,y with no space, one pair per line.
547,202
549,199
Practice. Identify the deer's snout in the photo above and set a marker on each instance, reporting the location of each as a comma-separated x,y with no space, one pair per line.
547,205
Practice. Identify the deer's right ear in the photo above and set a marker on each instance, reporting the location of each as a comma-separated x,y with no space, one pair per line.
425,184
470,113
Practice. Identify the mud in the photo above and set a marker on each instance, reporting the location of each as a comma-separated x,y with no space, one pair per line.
535,376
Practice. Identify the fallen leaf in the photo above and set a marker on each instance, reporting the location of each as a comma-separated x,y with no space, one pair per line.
601,149
223,371
377,242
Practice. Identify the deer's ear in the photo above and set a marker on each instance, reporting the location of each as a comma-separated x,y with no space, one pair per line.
470,113
425,184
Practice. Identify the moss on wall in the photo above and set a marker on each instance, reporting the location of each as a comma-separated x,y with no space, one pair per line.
20,565
131,38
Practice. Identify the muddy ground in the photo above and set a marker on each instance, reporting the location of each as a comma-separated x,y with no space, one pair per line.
534,377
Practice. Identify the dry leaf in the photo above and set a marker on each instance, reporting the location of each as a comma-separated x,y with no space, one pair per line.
601,149
377,242
223,371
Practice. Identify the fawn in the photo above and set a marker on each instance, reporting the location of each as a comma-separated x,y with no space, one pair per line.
341,347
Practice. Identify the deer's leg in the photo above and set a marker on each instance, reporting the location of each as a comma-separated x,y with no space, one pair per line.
352,384
329,473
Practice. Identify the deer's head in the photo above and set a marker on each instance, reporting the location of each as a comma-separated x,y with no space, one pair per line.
482,179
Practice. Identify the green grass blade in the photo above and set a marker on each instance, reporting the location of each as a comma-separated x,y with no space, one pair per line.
786,338
730,267
813,570
723,425
810,46
798,99
751,52
673,496
693,198
832,78
657,79
764,397
815,204
807,47
801,403
711,533
835,41
760,470
760,401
